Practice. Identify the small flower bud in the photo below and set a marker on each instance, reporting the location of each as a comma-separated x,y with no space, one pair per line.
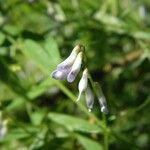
89,97
68,62
75,68
104,110
102,99
83,83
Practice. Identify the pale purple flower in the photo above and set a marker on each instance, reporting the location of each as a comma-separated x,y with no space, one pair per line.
75,68
69,67
83,83
89,97
67,63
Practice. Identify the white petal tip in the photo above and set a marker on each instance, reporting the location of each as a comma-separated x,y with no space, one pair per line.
79,97
104,110
89,109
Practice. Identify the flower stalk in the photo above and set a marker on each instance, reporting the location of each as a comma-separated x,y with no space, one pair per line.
69,69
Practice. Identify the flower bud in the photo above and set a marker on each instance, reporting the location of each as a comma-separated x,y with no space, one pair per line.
75,68
83,83
89,97
104,110
68,62
102,99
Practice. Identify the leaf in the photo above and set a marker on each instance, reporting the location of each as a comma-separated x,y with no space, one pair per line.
74,124
36,117
2,38
20,133
51,49
142,35
11,29
39,55
36,91
88,143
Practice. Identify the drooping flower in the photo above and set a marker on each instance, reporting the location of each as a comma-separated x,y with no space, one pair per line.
89,97
69,68
101,98
68,62
64,68
75,68
83,83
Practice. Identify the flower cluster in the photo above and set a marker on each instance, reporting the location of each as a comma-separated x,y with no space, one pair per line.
69,69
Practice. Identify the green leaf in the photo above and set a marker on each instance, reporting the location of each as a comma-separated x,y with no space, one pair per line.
142,35
51,49
74,124
36,91
88,143
36,117
11,29
37,54
40,56
2,38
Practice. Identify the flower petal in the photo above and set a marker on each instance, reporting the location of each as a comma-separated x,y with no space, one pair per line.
104,110
102,99
83,83
75,68
59,74
68,62
89,97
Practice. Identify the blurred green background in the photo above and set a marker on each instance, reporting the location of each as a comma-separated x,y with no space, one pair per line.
39,113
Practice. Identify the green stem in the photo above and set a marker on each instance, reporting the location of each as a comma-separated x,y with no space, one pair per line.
106,134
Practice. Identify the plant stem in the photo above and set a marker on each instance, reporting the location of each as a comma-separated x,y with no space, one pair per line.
106,134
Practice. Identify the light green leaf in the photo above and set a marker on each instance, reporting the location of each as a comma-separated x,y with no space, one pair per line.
74,124
142,35
11,29
88,143
36,117
40,56
51,49
37,54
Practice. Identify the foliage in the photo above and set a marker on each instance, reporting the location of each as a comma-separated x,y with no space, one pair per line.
41,113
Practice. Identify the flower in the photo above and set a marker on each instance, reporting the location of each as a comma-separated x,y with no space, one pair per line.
89,97
75,68
101,98
67,63
70,67
83,83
